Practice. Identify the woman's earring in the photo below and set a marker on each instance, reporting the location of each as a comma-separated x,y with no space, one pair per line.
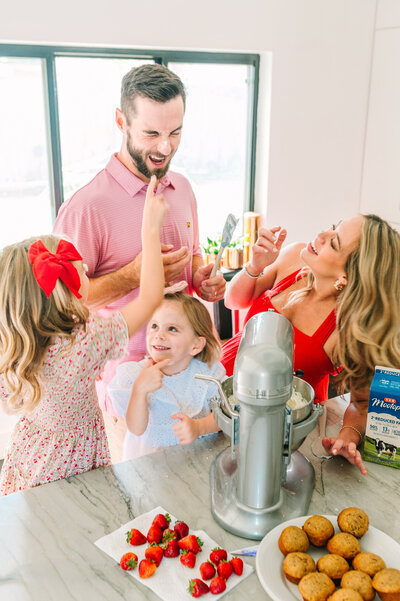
338,285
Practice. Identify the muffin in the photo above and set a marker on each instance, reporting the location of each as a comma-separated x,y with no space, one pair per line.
354,521
359,582
334,566
344,544
292,540
345,594
369,563
319,530
316,587
297,565
387,584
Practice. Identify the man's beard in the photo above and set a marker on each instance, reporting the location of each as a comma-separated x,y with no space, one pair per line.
140,163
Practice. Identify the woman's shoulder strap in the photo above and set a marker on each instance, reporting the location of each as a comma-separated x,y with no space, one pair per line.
287,281
326,328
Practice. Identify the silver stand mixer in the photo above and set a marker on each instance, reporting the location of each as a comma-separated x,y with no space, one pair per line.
261,480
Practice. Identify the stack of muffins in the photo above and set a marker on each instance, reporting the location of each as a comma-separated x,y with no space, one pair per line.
318,581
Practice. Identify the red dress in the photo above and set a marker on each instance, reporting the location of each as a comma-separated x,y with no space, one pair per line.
309,354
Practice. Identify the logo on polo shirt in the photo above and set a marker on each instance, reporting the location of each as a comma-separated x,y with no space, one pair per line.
188,223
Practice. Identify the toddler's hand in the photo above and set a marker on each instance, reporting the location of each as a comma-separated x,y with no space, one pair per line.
185,429
151,376
155,208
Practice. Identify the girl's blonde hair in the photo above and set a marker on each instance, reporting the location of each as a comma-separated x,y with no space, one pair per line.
200,320
29,321
368,314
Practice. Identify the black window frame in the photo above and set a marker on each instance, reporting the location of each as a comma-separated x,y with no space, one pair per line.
50,53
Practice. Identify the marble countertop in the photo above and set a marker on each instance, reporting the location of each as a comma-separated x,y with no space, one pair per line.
47,534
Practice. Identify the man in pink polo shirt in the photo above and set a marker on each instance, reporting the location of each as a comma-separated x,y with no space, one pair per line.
104,217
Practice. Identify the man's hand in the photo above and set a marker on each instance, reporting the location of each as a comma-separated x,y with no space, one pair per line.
209,289
185,429
174,262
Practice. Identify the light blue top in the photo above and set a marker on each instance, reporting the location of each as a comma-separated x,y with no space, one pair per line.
180,393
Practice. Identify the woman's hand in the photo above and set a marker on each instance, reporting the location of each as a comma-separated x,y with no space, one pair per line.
266,249
346,446
151,377
186,429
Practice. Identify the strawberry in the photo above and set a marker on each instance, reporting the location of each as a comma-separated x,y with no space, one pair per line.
197,587
135,537
154,534
161,521
128,561
224,569
168,534
217,585
155,553
207,570
181,529
217,554
188,559
237,565
171,548
147,567
190,543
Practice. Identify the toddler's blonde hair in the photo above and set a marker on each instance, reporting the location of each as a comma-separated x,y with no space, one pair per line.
200,320
29,321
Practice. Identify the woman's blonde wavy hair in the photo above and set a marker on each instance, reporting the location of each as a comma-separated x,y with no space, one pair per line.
368,314
368,308
29,321
200,320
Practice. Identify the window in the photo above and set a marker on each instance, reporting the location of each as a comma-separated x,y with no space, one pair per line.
58,129
25,195
88,132
213,150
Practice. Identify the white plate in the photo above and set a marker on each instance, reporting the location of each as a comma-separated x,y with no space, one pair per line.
269,558
170,582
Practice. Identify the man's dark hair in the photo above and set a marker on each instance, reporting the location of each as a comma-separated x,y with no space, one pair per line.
150,81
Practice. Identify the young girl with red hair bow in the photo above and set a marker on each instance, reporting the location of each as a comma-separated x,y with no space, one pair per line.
52,351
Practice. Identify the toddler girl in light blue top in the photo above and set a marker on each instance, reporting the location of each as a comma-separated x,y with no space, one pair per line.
154,392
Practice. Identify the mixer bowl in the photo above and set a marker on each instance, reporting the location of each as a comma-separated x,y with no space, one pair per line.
307,391
299,385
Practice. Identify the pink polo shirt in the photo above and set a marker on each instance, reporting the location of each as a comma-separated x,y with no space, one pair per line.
104,220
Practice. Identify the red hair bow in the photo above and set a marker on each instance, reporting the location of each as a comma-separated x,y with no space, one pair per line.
48,267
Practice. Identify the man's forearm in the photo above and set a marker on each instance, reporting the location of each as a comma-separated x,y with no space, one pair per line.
107,288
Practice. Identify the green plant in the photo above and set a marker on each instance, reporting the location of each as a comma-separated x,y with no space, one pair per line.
239,243
211,247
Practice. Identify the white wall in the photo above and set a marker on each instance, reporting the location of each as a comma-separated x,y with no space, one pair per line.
309,170
381,173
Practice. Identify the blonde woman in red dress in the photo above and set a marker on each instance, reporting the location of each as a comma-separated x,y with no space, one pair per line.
341,293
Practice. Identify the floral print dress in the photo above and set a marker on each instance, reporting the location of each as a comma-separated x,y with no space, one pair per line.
65,435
